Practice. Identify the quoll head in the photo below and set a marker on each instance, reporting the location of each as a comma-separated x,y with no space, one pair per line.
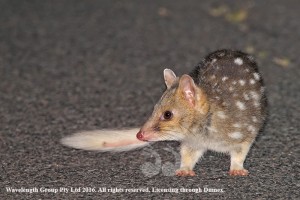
181,106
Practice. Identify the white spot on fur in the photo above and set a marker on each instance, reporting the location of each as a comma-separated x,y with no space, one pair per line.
221,54
224,104
254,95
234,82
246,96
256,76
247,70
224,78
252,81
236,125
213,77
251,129
236,135
212,129
230,88
214,60
240,105
254,119
221,114
242,82
238,61
256,104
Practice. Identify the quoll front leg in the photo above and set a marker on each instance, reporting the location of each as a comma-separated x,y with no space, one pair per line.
237,161
189,158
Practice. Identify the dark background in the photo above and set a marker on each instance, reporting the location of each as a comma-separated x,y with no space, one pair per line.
67,66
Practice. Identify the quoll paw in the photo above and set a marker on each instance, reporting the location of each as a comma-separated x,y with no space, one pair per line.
182,172
238,172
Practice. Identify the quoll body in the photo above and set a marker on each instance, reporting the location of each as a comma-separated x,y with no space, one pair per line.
219,106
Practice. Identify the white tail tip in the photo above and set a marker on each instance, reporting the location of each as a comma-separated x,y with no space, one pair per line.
105,140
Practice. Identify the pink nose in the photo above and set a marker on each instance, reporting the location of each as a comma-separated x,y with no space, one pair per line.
140,135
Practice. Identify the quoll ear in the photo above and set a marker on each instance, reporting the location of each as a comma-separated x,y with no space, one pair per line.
188,87
169,77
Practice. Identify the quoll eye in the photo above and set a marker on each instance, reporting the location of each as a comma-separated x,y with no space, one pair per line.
167,115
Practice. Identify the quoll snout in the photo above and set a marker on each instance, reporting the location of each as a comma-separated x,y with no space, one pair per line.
140,136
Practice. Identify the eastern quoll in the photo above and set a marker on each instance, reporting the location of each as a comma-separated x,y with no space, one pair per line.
219,106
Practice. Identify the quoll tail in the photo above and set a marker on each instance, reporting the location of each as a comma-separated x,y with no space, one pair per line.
105,140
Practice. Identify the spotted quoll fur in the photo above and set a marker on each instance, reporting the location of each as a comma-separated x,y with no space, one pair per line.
219,106
235,92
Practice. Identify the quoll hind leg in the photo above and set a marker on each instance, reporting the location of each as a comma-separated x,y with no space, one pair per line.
237,160
189,158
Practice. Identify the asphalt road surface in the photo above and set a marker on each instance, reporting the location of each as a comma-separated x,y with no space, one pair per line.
67,66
